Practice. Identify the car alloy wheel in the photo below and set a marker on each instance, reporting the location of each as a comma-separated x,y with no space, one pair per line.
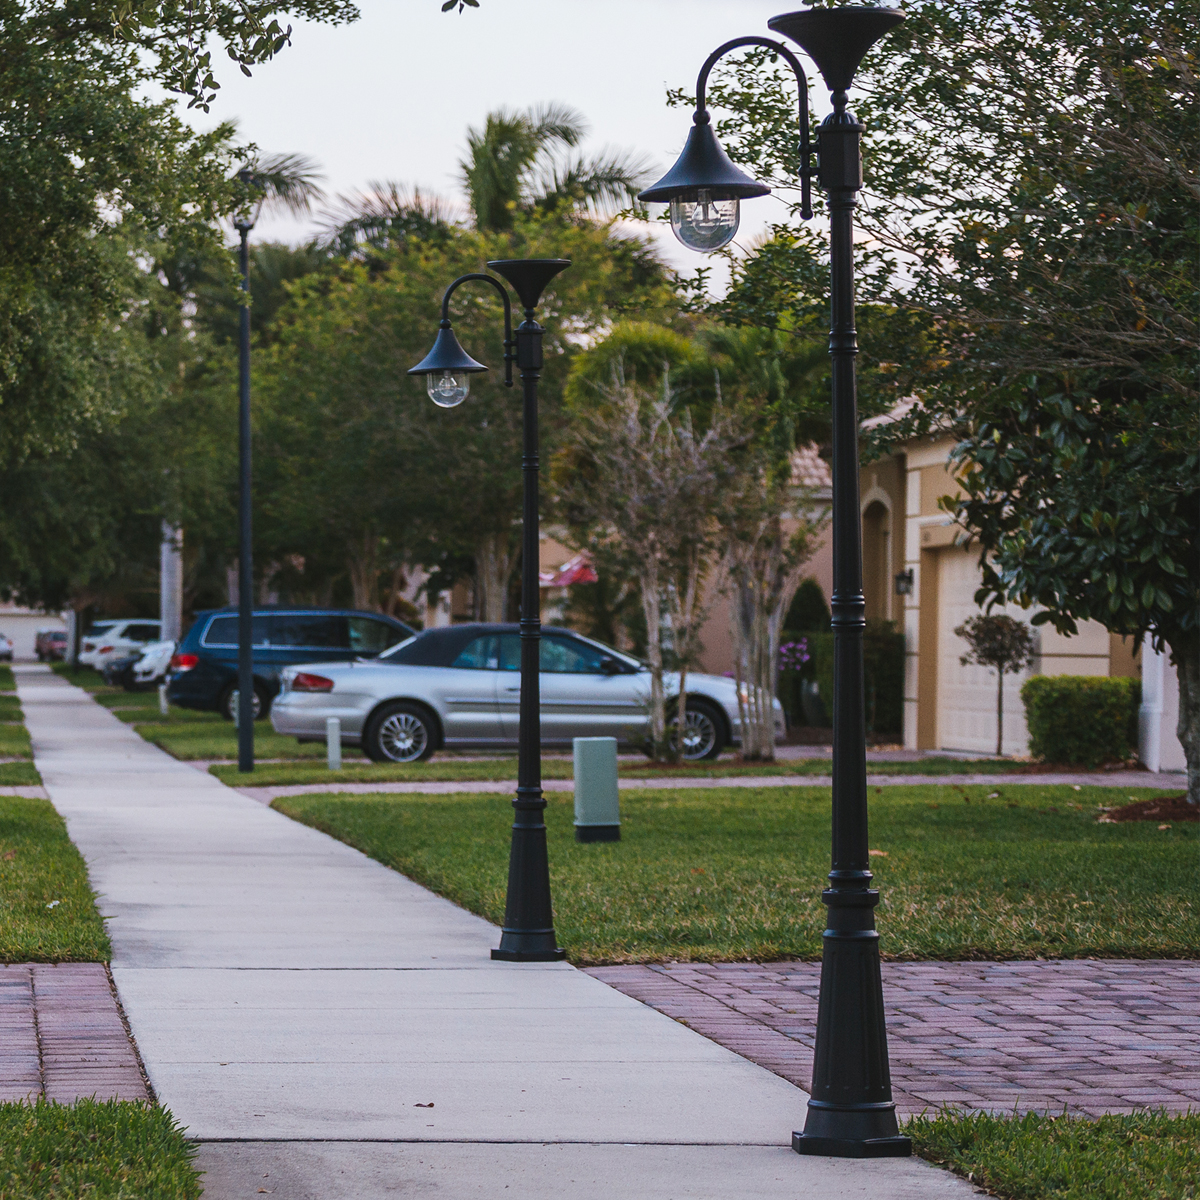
400,733
701,735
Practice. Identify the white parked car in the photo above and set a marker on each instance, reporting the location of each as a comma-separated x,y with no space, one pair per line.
6,648
151,669
107,640
460,687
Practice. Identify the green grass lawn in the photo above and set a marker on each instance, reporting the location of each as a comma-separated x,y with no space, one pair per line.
449,770
19,774
8,682
10,708
49,911
736,874
1145,1156
14,742
102,1150
80,676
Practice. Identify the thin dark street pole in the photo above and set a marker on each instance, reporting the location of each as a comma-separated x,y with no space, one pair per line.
528,933
851,1111
245,708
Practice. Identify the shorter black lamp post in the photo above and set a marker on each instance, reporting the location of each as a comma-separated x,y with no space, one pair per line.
528,933
851,1113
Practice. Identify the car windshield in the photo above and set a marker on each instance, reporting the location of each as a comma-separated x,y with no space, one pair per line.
628,659
99,627
392,649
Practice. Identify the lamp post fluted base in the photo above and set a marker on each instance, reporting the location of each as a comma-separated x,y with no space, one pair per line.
851,1113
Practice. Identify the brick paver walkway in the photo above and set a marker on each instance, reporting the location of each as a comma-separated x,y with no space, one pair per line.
61,1035
1094,1036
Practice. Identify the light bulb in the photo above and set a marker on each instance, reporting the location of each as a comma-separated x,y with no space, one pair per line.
446,389
702,223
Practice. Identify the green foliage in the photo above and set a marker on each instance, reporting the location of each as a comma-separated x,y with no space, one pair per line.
519,161
49,908
883,677
102,1149
1135,1156
1085,719
996,640
808,611
718,875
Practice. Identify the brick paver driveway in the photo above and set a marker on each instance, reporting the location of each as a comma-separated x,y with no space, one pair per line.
1093,1036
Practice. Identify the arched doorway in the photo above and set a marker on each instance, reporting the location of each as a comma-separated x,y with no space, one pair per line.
877,528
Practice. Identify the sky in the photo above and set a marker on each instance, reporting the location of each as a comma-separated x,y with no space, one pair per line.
390,97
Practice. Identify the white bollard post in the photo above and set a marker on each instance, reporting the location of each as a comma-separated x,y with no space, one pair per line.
333,743
163,707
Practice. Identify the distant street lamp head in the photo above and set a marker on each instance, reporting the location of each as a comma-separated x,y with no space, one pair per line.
447,369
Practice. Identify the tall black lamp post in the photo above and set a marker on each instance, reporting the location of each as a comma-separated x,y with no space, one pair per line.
851,1113
246,698
528,934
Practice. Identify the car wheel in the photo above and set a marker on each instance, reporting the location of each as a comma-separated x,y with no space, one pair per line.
703,732
400,733
228,704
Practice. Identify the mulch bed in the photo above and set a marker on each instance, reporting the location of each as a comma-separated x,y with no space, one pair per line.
1161,808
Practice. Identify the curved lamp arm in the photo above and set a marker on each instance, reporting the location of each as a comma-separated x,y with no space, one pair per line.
509,343
805,146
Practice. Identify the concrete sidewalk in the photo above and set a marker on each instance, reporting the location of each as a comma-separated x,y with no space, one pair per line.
327,1028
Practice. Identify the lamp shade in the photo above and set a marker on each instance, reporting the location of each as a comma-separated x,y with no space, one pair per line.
447,355
837,38
703,164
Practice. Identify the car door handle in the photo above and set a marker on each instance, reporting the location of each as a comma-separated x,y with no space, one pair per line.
513,689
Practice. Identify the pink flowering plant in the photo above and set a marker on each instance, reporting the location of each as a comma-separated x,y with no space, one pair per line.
793,655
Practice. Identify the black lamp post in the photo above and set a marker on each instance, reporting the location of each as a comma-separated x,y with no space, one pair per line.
528,934
245,707
851,1113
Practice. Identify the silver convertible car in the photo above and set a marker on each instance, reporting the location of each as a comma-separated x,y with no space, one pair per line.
460,686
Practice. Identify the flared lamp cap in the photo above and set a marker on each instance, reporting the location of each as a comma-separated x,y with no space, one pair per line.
837,38
529,276
447,355
703,164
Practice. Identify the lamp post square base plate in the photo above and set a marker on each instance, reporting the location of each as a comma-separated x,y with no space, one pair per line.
826,1147
556,955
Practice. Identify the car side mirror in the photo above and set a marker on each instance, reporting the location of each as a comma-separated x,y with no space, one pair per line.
610,666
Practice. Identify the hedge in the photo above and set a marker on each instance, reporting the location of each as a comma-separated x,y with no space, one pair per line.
1081,719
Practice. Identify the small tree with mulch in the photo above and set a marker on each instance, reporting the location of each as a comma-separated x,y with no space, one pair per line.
1002,643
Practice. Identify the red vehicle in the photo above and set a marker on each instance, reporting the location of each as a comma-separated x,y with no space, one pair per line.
50,645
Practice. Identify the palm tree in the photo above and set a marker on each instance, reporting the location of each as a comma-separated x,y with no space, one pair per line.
280,181
386,215
522,160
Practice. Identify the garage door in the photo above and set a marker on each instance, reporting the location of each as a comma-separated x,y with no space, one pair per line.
967,695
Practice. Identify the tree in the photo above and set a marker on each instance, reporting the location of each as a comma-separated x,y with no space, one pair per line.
517,162
641,483
768,522
1000,642
1031,165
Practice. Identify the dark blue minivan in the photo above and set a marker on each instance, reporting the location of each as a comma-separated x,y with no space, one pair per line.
204,670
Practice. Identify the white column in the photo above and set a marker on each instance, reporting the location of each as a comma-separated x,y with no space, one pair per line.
170,586
1159,747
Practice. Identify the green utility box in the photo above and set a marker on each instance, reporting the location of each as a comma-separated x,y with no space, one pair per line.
597,805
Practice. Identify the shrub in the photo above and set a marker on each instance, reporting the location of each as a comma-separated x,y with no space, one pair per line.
1084,719
883,678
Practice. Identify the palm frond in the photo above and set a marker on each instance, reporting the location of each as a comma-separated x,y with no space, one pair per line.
554,121
285,181
601,185
385,214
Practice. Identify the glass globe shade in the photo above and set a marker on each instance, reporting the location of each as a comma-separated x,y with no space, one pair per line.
702,223
446,389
